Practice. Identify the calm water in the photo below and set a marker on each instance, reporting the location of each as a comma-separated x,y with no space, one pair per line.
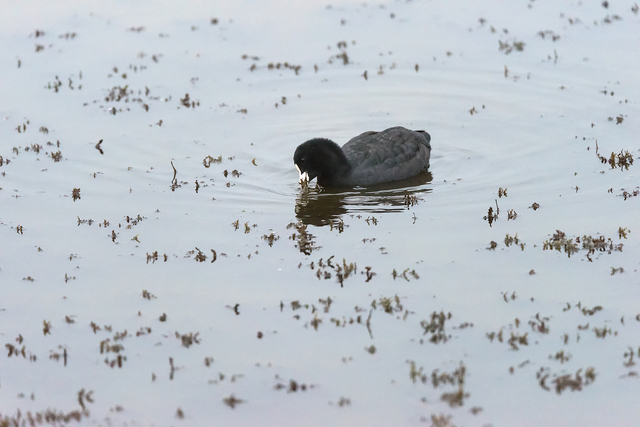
176,274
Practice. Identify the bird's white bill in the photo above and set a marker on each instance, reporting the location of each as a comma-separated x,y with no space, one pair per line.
304,176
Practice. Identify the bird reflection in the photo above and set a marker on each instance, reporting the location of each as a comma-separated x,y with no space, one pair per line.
319,206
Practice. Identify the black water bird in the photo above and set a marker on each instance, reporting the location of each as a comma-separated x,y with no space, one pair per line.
369,158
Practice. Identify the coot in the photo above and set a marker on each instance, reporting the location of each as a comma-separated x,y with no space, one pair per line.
370,158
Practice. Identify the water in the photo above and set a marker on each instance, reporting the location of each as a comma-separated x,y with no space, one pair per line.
367,306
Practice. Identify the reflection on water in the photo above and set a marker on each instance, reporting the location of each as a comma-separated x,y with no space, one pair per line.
319,206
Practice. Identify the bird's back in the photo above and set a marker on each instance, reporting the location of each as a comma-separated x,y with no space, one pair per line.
393,154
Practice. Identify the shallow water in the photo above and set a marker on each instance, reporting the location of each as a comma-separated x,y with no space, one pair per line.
365,306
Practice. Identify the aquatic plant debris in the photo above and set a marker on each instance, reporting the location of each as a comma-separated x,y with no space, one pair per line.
157,239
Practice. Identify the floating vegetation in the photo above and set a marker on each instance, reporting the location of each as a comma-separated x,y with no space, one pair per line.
55,85
627,194
46,327
270,238
271,65
179,413
57,156
118,93
126,95
75,194
234,173
188,102
508,241
405,274
559,242
148,295
199,255
389,305
17,351
539,324
371,220
410,200
610,18
342,45
338,225
369,274
590,311
548,34
133,221
236,310
573,382
416,374
629,355
599,244
616,270
106,347
435,327
506,297
208,160
305,240
342,272
591,244
189,339
508,47
515,340
293,386
232,401
318,319
342,402
50,415
438,379
621,160
502,192
561,356
492,216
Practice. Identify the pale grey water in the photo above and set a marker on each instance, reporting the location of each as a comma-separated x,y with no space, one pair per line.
533,132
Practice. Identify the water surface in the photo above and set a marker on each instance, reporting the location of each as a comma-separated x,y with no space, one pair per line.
176,273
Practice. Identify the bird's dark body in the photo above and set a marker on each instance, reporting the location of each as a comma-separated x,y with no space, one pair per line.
369,158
